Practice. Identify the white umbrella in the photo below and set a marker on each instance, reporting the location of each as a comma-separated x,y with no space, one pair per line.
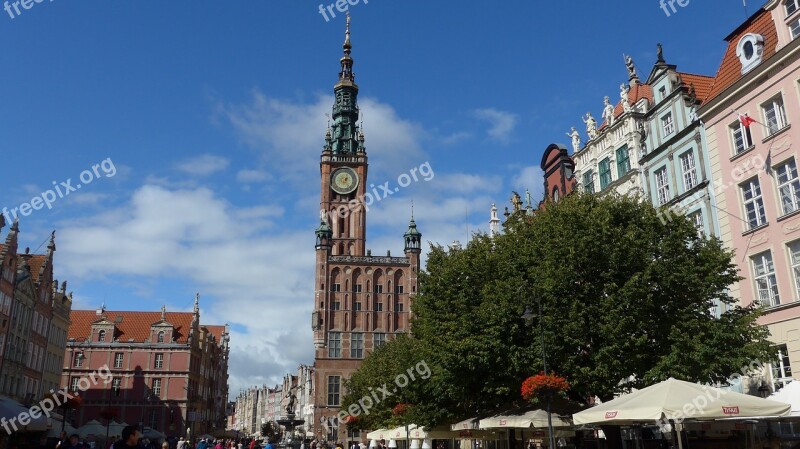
155,434
789,394
55,428
679,400
92,427
115,428
467,424
527,420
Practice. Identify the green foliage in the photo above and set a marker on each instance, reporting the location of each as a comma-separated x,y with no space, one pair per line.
626,300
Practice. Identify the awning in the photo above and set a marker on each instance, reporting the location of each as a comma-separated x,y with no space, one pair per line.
789,394
11,409
467,424
679,400
380,434
531,419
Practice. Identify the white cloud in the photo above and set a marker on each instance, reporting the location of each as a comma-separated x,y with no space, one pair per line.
247,176
291,135
530,178
203,165
246,275
501,123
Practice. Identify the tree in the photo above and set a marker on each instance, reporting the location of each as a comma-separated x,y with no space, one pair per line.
627,300
374,391
270,430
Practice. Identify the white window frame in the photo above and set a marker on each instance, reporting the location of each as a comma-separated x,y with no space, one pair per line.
156,389
668,124
765,280
662,185
356,345
119,359
794,261
334,398
794,3
754,204
335,345
788,181
782,368
776,107
741,132
689,170
158,360
378,339
794,28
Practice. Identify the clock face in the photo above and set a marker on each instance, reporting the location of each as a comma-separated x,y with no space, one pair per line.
344,180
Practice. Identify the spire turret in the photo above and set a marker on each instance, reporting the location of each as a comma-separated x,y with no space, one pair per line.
494,222
412,236
345,137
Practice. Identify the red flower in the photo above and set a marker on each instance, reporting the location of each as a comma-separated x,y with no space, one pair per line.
542,384
400,409
350,419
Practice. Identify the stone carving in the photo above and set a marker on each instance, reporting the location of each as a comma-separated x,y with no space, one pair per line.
608,111
516,200
369,259
661,53
591,125
624,90
576,139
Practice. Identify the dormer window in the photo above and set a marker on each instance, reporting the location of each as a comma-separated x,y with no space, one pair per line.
161,337
101,336
750,51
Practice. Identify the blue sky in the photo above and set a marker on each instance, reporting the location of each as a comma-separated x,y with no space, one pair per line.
212,114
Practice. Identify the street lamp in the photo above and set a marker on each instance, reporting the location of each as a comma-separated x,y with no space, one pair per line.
528,317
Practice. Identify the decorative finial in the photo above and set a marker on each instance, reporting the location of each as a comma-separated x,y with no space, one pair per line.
164,312
347,45
412,210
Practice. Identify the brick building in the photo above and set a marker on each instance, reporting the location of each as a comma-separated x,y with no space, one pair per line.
360,300
168,372
34,316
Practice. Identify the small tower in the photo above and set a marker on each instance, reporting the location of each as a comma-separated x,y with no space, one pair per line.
494,222
413,237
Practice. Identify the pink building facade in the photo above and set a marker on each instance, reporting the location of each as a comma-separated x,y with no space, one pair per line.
163,370
752,117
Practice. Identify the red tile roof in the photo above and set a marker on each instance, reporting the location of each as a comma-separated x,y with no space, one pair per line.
636,93
216,331
730,70
36,263
135,325
702,83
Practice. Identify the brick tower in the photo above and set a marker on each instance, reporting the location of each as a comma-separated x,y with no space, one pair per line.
361,301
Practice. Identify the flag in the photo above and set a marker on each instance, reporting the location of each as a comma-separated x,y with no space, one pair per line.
746,120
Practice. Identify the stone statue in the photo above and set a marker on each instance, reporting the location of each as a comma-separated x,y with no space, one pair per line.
608,111
516,200
624,90
591,125
528,198
643,138
692,92
631,68
292,399
576,140
661,53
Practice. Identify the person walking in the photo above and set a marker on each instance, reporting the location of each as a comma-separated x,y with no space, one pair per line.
129,440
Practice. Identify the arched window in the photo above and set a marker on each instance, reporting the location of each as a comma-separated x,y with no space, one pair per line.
161,337
101,336
555,194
